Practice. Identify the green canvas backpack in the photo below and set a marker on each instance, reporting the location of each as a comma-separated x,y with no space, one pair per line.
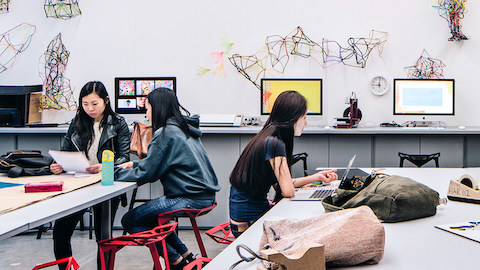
392,198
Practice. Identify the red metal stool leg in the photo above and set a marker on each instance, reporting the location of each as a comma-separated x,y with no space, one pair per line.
146,238
71,264
199,263
192,214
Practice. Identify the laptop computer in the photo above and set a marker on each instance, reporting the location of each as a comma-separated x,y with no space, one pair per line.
321,192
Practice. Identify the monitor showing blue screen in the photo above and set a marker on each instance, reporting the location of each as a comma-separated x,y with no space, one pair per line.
131,92
424,97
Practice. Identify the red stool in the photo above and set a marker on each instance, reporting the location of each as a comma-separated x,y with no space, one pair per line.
192,214
71,264
221,233
197,264
146,238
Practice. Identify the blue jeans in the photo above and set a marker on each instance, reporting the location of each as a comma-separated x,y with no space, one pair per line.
145,217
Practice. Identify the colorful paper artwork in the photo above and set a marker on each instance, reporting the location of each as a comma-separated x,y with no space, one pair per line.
13,42
275,54
218,59
426,67
61,9
57,92
4,4
453,11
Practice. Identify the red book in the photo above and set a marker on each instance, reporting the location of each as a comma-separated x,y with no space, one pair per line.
44,186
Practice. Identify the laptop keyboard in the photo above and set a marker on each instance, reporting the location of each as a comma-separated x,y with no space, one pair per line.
321,194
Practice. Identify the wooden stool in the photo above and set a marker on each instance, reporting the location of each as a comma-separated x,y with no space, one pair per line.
192,214
146,238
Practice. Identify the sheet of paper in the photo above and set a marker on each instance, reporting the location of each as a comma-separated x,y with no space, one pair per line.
467,229
70,161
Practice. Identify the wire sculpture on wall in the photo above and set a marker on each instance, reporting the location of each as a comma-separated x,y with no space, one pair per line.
61,9
57,92
13,42
218,59
426,67
453,11
4,4
275,54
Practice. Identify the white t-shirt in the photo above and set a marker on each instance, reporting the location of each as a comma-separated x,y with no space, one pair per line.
92,151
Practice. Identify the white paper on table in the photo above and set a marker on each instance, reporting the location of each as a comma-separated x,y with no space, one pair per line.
71,161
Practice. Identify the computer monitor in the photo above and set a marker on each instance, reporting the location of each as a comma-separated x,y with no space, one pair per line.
424,97
131,92
311,89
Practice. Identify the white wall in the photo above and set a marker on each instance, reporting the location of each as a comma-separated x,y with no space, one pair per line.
172,38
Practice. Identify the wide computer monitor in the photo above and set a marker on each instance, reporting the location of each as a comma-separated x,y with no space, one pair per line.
131,92
311,89
424,97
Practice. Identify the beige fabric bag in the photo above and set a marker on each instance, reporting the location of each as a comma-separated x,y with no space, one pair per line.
350,237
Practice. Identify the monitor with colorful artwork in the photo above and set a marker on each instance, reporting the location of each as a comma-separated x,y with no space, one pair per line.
311,89
131,92
423,97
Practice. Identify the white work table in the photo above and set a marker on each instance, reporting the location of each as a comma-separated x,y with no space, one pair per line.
412,244
39,213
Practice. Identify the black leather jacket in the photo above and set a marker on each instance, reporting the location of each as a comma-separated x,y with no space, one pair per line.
115,137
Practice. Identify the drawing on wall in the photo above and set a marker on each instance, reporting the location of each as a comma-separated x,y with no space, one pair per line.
13,42
453,11
218,59
275,54
61,9
426,67
4,6
57,92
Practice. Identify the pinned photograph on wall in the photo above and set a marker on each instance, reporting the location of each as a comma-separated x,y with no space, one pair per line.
145,87
127,103
165,84
127,88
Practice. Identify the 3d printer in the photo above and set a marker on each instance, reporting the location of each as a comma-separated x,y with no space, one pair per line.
351,116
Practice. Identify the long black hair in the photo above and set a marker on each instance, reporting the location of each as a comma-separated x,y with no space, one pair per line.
249,173
165,105
82,121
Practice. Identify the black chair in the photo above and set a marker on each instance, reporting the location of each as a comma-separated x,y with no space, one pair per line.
419,160
301,157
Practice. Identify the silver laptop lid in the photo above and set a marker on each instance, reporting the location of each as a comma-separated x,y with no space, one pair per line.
349,166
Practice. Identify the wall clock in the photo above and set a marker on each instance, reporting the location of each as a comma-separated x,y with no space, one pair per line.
379,86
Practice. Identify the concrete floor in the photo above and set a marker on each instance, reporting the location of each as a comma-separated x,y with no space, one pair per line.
24,251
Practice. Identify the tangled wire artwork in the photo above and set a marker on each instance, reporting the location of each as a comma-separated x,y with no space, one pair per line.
453,11
13,42
275,54
57,92
426,67
61,9
4,6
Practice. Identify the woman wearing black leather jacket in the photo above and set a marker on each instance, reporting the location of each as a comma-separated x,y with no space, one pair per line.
95,128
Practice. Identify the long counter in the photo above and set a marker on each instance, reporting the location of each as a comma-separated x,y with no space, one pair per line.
375,147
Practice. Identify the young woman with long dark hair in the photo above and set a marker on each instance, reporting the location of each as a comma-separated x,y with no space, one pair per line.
96,127
266,162
177,157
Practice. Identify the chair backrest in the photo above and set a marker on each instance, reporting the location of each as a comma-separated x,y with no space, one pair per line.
419,160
